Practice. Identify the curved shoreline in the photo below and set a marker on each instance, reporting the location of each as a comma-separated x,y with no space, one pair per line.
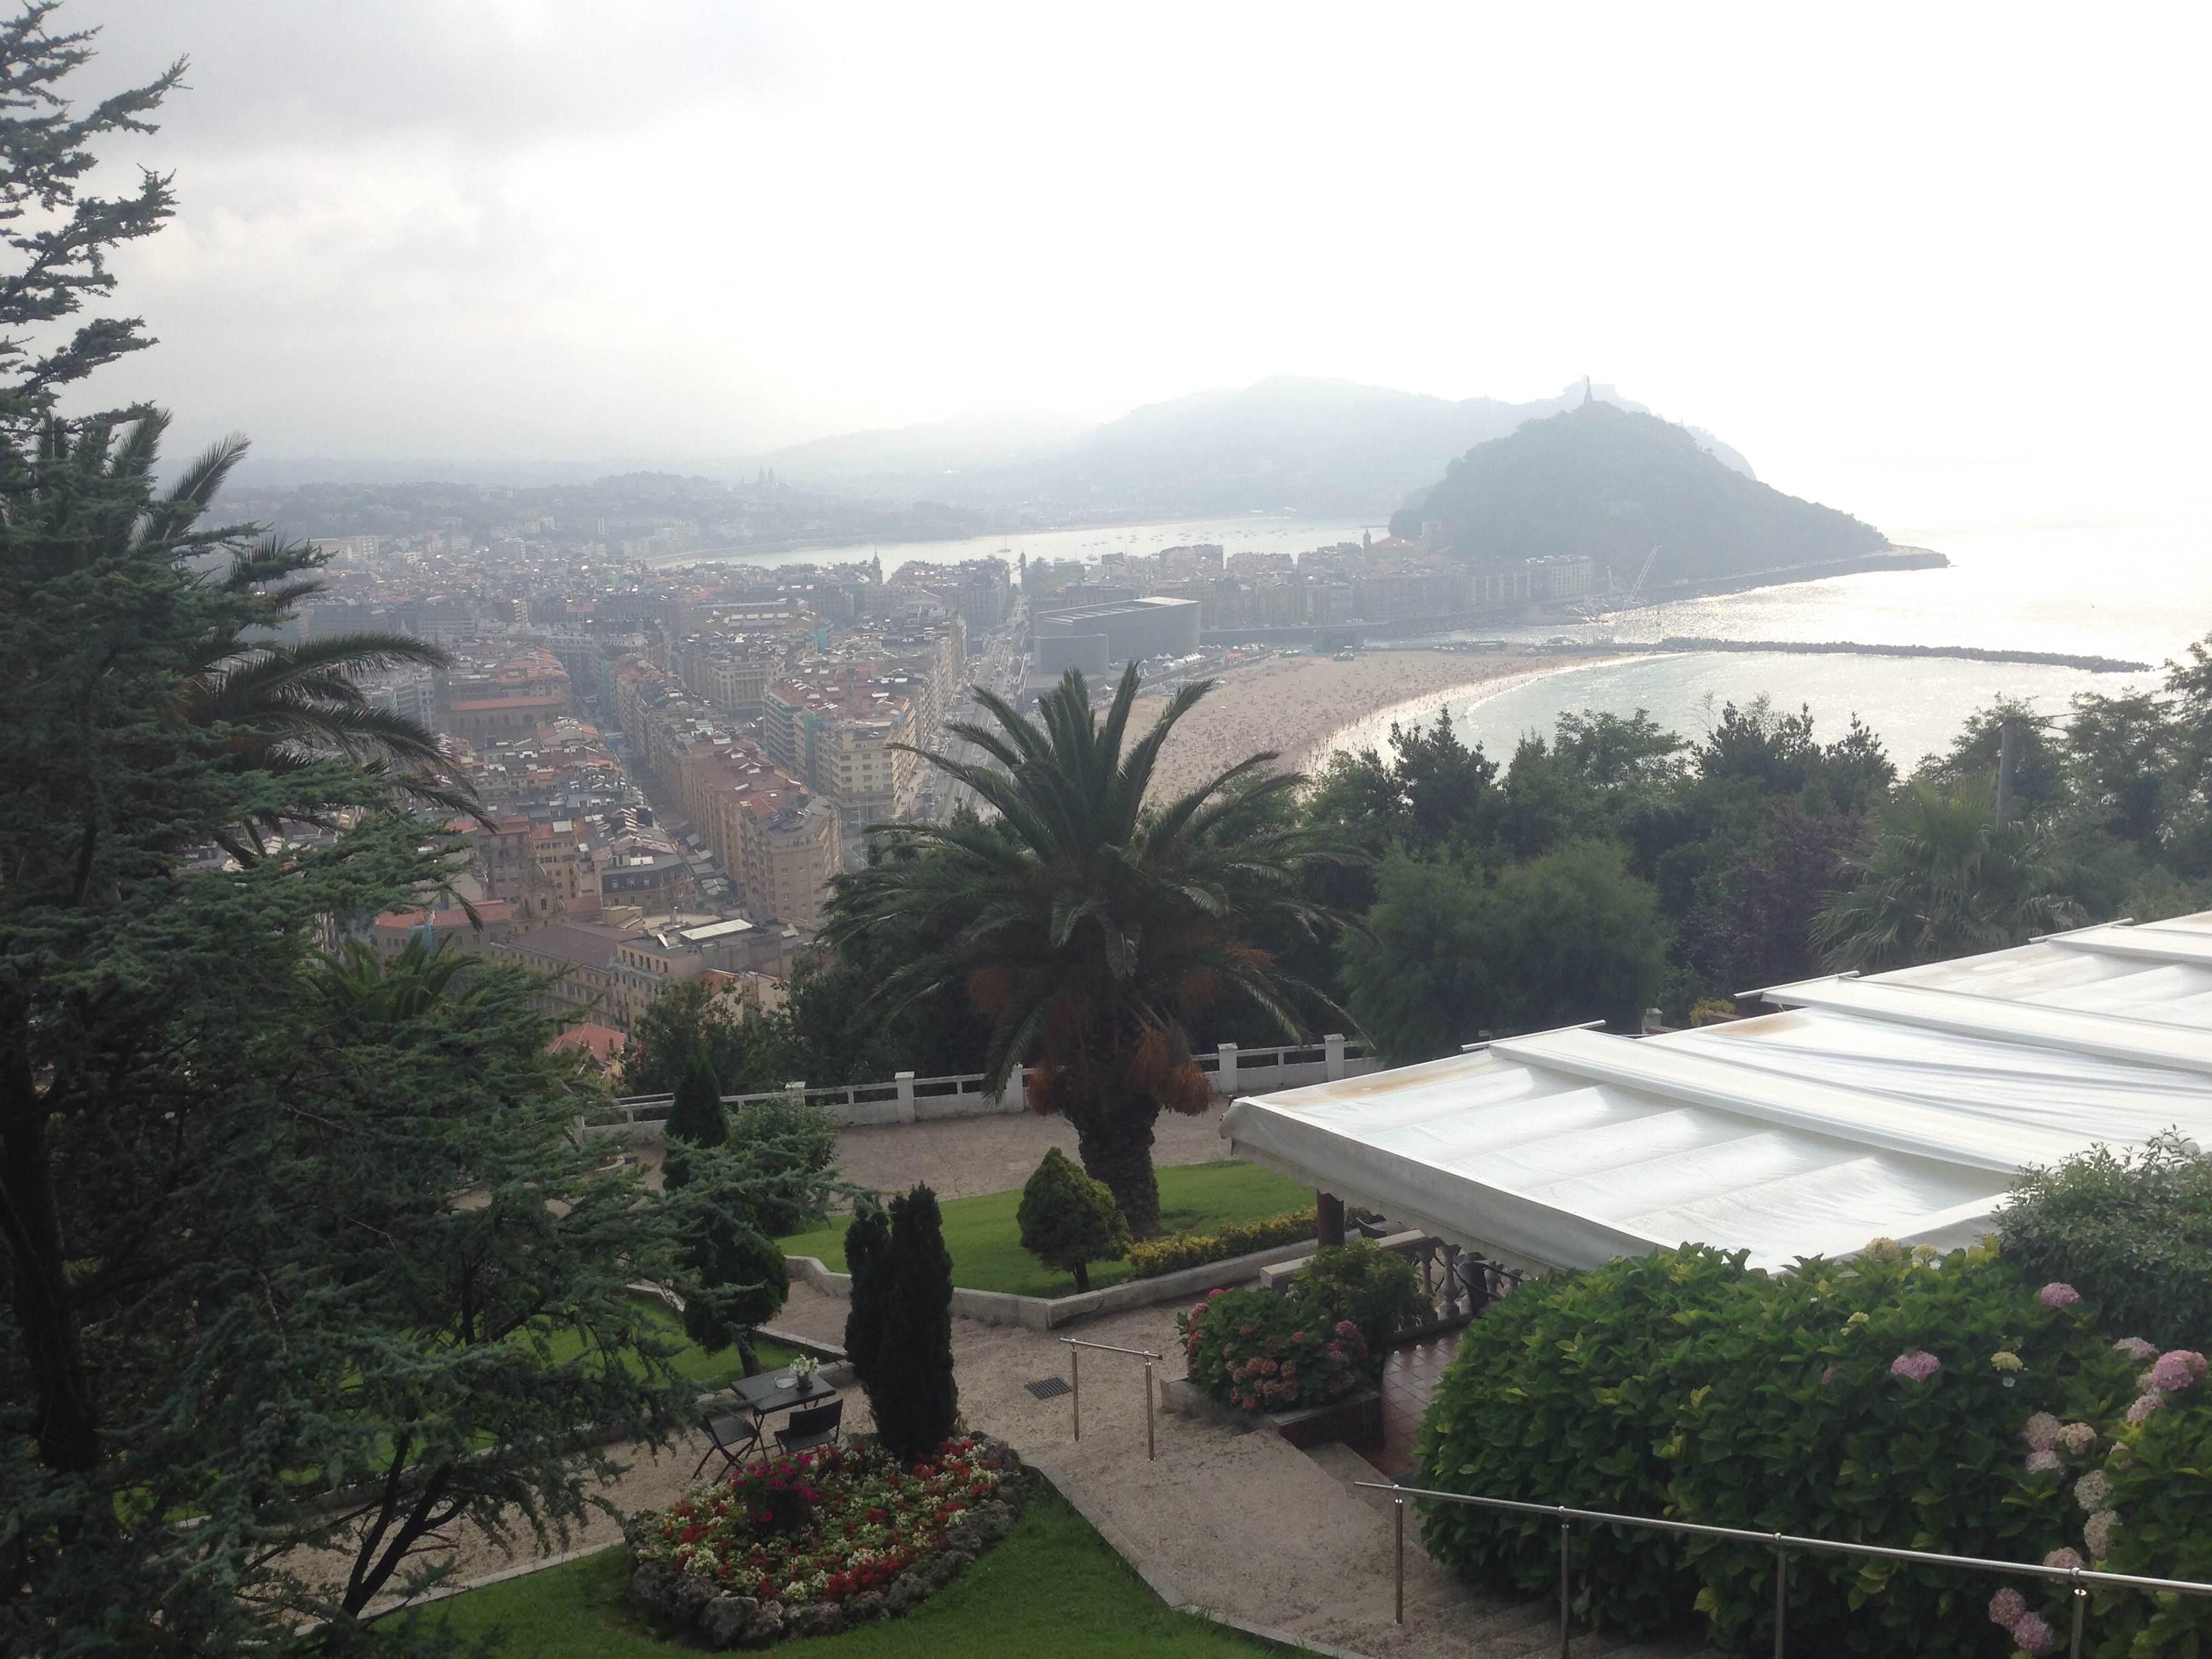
1301,707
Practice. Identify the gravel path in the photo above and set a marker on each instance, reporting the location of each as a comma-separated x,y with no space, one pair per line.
967,1157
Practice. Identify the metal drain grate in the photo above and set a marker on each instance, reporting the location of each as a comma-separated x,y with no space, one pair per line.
1051,1388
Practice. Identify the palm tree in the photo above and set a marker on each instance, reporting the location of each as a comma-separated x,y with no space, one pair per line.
1088,930
278,708
1942,878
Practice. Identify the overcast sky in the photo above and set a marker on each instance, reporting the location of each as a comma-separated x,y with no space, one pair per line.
1933,264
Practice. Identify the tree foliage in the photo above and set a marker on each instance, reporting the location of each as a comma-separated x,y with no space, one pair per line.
1567,936
899,1333
1089,931
59,238
695,1118
1068,1220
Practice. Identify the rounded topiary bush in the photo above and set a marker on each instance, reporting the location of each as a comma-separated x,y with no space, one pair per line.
1068,1221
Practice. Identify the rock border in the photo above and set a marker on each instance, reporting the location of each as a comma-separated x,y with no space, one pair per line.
718,1621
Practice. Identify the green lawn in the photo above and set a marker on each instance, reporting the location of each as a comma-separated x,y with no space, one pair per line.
986,1243
708,1370
1051,1586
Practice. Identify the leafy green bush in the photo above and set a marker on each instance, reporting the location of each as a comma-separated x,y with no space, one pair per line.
1068,1221
2150,1517
1880,1399
1379,1292
1877,1400
1552,1400
1153,1257
1260,1351
2131,1231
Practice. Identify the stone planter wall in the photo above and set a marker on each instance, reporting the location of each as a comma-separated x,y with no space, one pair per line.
1040,1313
1355,1419
718,1621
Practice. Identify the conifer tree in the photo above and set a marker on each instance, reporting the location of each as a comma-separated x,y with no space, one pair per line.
695,1118
922,1405
867,1259
1068,1221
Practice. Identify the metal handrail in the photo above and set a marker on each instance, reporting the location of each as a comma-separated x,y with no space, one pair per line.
1075,1384
2078,1579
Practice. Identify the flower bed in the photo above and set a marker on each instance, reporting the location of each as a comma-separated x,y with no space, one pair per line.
810,1544
1155,1257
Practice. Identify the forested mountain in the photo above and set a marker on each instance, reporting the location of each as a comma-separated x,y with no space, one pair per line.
1285,444
1613,485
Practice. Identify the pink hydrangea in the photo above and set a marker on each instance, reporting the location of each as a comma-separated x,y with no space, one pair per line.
2007,1606
2058,1294
2064,1558
1828,1376
2145,1404
1916,1366
2032,1634
2135,1348
2041,1431
2077,1437
2044,1462
2177,1370
2093,1490
2097,1532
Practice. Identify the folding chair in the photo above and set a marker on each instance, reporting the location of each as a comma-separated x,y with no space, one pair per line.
733,1435
815,1426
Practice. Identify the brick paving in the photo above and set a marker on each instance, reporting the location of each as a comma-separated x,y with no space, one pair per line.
1409,1378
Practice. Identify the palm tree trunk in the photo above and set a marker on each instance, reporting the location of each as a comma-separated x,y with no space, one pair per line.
1114,1140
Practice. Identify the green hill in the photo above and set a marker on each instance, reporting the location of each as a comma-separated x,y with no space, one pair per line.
1605,482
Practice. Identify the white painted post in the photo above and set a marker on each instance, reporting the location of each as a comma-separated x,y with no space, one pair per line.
1225,1078
905,1081
798,1089
1332,1046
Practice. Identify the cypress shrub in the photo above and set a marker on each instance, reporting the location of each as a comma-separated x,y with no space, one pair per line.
1068,1220
868,1257
696,1117
919,1403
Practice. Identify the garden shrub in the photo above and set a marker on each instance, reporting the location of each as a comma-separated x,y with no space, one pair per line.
1068,1221
1154,1257
1552,1400
1263,1352
1379,1292
695,1118
912,1392
2131,1231
1877,1400
1951,1404
790,1141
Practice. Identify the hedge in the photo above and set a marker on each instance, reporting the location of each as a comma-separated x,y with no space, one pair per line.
1156,1256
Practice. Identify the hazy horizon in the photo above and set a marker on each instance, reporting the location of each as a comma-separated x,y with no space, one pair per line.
1923,268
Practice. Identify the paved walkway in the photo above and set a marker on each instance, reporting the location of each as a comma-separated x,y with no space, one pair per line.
965,1156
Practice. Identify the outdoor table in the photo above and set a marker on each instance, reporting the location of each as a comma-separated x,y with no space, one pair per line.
763,1398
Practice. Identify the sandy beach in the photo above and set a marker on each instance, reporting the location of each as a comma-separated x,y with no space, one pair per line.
1298,705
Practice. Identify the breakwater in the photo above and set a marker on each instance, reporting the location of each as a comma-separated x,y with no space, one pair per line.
1853,648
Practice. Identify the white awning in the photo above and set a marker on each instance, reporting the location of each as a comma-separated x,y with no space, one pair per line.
1900,1105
